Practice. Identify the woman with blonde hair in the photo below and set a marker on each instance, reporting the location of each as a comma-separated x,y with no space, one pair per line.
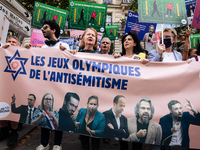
46,117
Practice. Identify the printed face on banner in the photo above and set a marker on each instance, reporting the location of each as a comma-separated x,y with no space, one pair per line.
42,12
144,112
162,11
31,101
72,105
92,105
119,107
47,101
85,15
177,111
133,24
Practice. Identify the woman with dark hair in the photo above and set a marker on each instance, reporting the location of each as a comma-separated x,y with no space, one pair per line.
131,46
90,122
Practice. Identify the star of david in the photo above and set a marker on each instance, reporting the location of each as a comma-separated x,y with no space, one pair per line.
15,65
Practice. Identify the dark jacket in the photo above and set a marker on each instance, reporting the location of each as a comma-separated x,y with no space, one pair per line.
120,133
22,110
65,122
187,119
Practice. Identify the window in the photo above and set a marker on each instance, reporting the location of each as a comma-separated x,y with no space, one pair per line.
109,19
107,1
127,1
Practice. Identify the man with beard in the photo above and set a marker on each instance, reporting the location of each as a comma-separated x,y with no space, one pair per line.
105,46
116,124
141,128
148,37
66,113
175,126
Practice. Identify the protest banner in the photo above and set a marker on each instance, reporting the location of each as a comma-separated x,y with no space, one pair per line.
37,71
162,11
190,8
111,32
42,12
4,24
194,40
196,17
37,38
85,15
133,24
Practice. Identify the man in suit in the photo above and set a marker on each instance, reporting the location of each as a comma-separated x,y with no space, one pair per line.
25,111
141,128
116,124
175,126
66,113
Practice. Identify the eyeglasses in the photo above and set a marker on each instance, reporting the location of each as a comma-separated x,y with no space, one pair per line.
105,43
45,26
30,99
47,99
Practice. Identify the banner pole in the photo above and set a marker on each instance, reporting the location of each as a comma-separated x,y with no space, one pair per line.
162,33
189,38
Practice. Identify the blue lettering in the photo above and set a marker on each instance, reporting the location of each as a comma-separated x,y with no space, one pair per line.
104,67
44,76
131,70
116,69
124,84
116,83
54,62
32,73
75,64
137,71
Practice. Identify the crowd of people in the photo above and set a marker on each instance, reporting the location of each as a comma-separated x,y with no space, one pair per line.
91,123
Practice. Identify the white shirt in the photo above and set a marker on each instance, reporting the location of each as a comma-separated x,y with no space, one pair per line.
168,57
57,45
177,138
118,122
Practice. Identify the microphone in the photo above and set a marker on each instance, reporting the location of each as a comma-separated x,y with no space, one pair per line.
50,107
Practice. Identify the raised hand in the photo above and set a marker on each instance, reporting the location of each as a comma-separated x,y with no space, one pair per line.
189,106
13,98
